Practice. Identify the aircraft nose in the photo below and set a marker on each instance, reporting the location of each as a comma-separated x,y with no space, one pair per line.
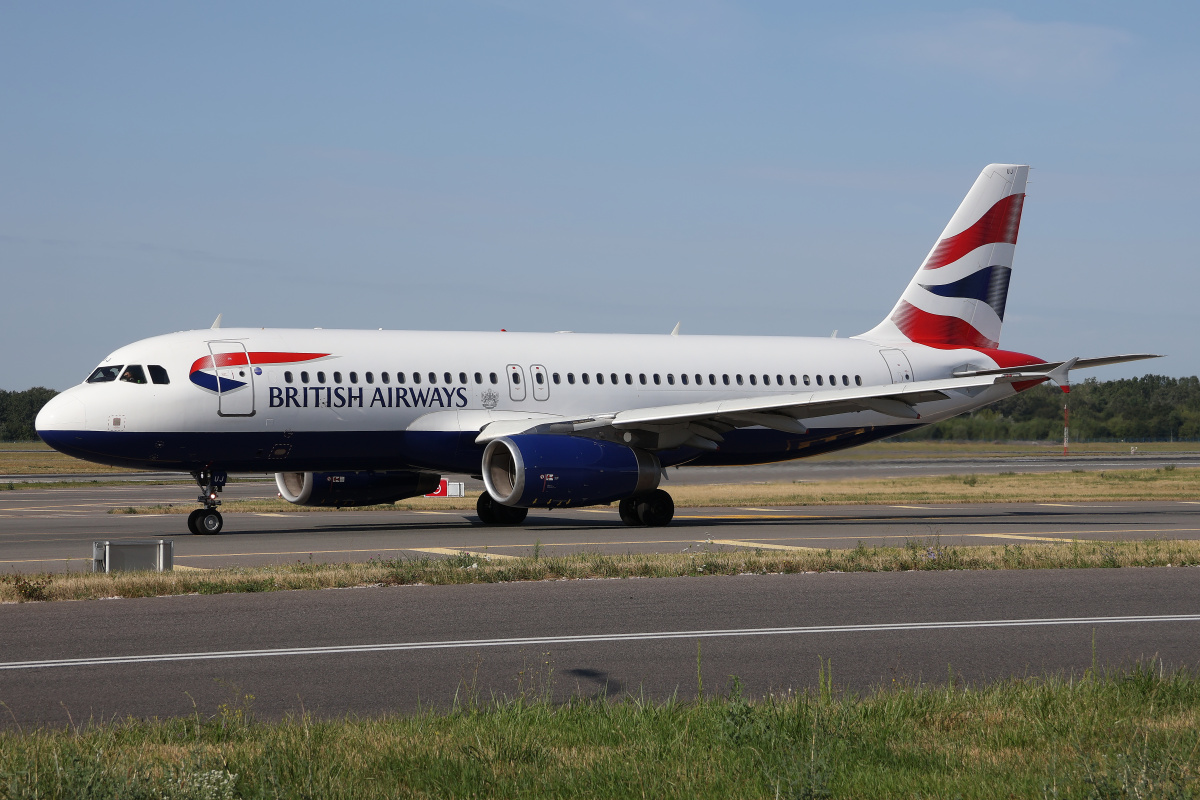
62,413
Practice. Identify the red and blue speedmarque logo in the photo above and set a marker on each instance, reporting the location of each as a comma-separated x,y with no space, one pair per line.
204,369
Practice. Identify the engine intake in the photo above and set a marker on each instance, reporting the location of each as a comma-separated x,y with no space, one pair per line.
554,471
347,489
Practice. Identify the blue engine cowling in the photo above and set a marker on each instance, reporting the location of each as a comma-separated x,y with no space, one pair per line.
345,489
554,471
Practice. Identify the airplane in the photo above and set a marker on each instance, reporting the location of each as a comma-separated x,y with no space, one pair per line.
551,420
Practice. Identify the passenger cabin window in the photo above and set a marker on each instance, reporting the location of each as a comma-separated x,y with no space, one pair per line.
571,378
478,378
600,378
858,380
462,377
304,377
657,380
158,374
628,379
739,380
287,377
555,378
354,377
725,379
613,376
845,381
699,379
370,377
793,379
683,378
820,381
753,380
712,379
399,377
492,377
337,377
320,377
416,377
433,377
779,380
447,377
134,374
833,380
104,374
806,380
671,378
642,378
585,378
385,377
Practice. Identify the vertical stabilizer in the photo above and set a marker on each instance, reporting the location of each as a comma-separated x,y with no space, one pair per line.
957,297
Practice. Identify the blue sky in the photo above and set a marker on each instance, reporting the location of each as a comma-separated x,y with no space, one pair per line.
762,168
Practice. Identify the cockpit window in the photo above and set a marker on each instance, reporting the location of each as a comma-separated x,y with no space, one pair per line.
158,374
105,374
134,374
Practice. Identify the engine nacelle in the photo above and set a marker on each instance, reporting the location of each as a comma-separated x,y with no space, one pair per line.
553,471
344,489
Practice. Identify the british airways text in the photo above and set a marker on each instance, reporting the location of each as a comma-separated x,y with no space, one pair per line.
353,397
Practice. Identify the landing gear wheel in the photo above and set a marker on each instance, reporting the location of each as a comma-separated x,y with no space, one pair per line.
209,522
492,513
513,516
655,509
627,508
193,520
485,507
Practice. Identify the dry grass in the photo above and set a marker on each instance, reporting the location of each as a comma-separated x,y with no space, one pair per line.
1124,485
918,554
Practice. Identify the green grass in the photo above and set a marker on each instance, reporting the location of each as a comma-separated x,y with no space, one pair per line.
917,554
1133,733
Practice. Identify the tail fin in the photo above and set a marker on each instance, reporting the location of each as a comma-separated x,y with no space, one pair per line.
957,297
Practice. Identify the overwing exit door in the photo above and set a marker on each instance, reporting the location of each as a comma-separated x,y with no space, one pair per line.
235,379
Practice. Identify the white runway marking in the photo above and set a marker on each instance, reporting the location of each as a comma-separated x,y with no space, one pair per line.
591,638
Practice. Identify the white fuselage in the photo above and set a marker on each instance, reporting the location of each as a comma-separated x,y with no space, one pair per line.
343,399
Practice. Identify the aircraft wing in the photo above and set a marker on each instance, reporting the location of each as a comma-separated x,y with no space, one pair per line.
701,424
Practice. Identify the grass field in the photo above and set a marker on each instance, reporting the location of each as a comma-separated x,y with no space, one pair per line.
464,568
1133,733
14,460
1165,483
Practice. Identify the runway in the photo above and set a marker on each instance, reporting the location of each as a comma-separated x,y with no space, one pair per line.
53,529
378,650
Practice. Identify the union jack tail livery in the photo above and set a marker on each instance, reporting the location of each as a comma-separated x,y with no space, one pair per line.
957,297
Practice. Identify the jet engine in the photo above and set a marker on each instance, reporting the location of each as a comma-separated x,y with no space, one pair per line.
343,489
552,471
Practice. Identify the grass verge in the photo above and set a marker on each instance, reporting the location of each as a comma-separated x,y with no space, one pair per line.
1165,483
1130,733
917,554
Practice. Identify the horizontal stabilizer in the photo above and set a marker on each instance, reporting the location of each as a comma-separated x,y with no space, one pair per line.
1047,367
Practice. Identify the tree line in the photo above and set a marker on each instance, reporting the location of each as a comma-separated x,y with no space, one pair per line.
1149,407
18,410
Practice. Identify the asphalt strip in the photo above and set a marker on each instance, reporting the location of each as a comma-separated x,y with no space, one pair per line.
589,638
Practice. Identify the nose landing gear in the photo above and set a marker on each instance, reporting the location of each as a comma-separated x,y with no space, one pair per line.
208,520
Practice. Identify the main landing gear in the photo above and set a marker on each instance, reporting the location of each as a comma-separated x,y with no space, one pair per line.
493,513
653,509
208,520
